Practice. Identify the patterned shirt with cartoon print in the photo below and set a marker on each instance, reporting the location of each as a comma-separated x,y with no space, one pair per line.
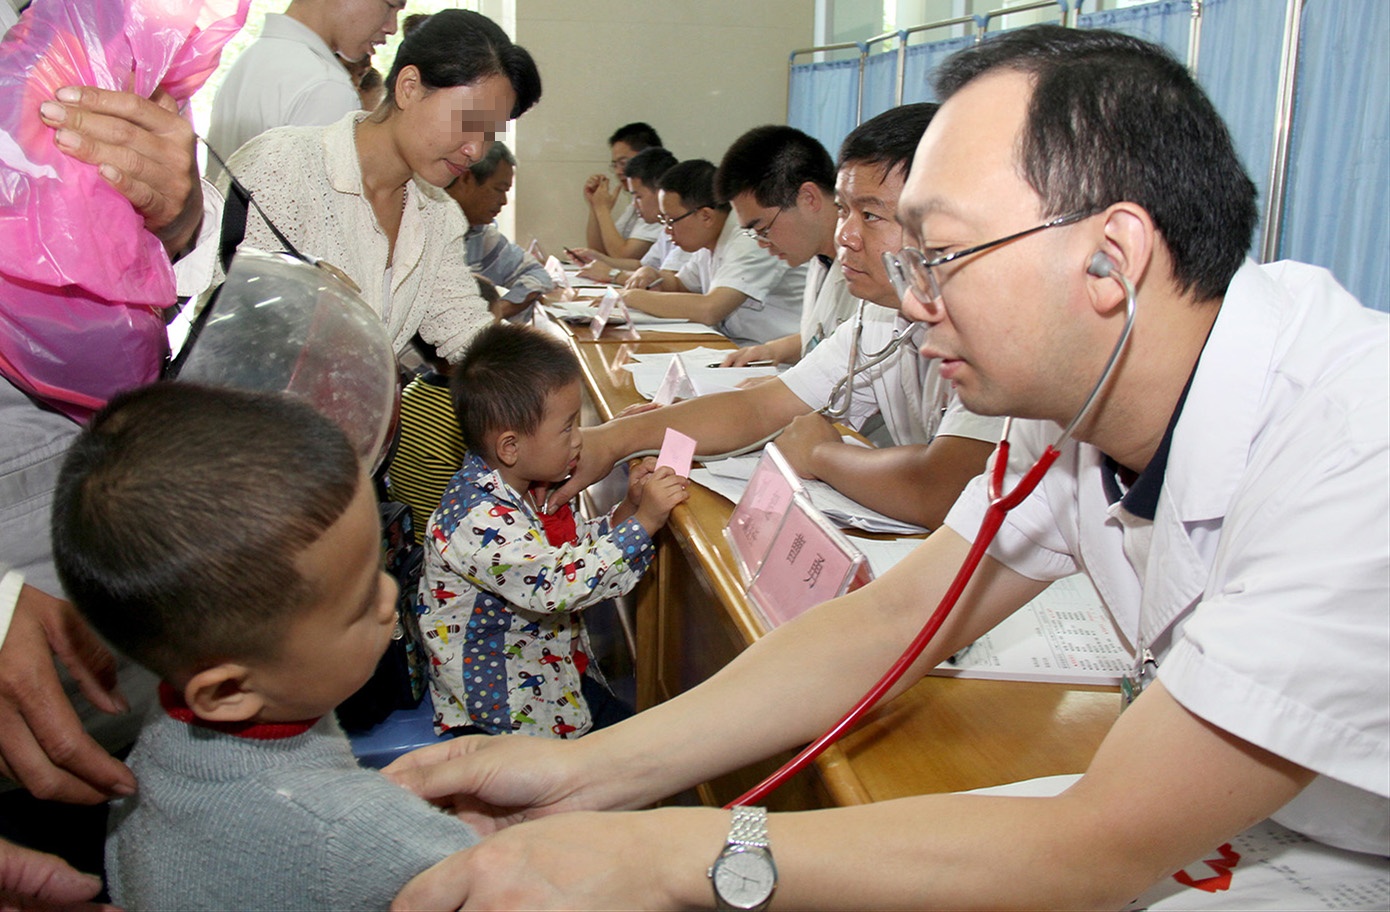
500,599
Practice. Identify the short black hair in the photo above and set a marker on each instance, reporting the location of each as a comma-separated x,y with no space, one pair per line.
637,136
889,139
178,515
649,164
485,167
456,47
1116,119
772,162
410,23
694,181
504,378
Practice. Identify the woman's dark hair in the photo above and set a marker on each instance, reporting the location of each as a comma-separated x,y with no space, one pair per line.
458,47
694,181
1114,118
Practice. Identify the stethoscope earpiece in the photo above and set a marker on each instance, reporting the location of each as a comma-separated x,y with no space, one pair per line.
1101,265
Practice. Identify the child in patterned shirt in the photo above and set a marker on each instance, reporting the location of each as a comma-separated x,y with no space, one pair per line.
505,582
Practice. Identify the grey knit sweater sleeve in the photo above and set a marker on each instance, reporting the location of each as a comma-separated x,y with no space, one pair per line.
223,822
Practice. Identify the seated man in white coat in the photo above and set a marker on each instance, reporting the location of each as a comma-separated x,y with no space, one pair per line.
774,176
730,282
933,462
1228,494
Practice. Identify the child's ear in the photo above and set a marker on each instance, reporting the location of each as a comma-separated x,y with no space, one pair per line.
508,448
219,694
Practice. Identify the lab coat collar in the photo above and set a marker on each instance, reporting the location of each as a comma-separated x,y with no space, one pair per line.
1211,442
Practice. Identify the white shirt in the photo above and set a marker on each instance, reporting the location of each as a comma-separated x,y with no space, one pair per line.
1265,590
773,308
825,304
631,225
893,388
308,179
665,254
288,76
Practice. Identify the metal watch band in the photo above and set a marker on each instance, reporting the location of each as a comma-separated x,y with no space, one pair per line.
749,826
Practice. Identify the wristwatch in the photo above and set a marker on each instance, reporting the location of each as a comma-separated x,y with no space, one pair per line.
614,273
744,875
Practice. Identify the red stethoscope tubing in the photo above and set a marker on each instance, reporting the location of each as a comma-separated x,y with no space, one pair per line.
999,505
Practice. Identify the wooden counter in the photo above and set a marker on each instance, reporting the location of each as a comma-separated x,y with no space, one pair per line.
941,735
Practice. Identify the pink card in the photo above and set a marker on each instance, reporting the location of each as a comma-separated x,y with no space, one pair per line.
677,451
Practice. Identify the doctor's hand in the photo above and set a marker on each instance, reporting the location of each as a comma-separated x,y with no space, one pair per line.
142,147
801,439
42,743
596,460
604,195
36,880
641,277
492,783
597,270
740,357
643,860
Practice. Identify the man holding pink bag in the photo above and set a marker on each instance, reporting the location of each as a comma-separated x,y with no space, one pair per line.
99,195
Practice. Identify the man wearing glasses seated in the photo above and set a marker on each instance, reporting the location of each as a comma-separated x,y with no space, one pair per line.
730,282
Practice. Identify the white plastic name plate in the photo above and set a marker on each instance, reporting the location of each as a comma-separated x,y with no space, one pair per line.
557,273
605,312
675,384
809,562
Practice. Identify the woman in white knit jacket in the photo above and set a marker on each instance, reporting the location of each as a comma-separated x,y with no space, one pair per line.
366,193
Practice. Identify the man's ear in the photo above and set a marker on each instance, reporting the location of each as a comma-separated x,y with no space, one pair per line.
219,694
507,446
1127,239
813,195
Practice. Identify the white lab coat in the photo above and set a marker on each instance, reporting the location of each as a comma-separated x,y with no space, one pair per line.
1262,584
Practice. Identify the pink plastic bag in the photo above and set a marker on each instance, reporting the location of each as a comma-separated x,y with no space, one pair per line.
82,283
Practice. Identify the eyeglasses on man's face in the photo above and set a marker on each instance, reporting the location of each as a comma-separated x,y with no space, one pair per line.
666,221
760,234
913,270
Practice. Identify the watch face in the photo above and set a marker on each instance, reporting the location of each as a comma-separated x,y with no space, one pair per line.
744,877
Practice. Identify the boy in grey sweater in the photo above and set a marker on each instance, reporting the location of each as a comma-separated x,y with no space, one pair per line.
229,542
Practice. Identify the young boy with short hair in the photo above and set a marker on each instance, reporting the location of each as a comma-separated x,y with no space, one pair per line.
504,581
229,542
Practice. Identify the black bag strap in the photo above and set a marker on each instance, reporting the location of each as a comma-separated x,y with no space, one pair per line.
235,209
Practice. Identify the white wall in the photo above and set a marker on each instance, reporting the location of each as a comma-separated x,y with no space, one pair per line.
700,71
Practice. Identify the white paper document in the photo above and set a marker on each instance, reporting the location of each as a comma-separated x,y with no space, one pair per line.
584,311
648,371
1063,635
1266,867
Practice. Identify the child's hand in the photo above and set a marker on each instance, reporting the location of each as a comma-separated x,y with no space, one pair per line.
661,491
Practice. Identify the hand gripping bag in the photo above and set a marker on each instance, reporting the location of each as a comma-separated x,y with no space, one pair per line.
83,285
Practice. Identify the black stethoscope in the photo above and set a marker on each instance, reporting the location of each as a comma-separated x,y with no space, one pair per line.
1000,503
